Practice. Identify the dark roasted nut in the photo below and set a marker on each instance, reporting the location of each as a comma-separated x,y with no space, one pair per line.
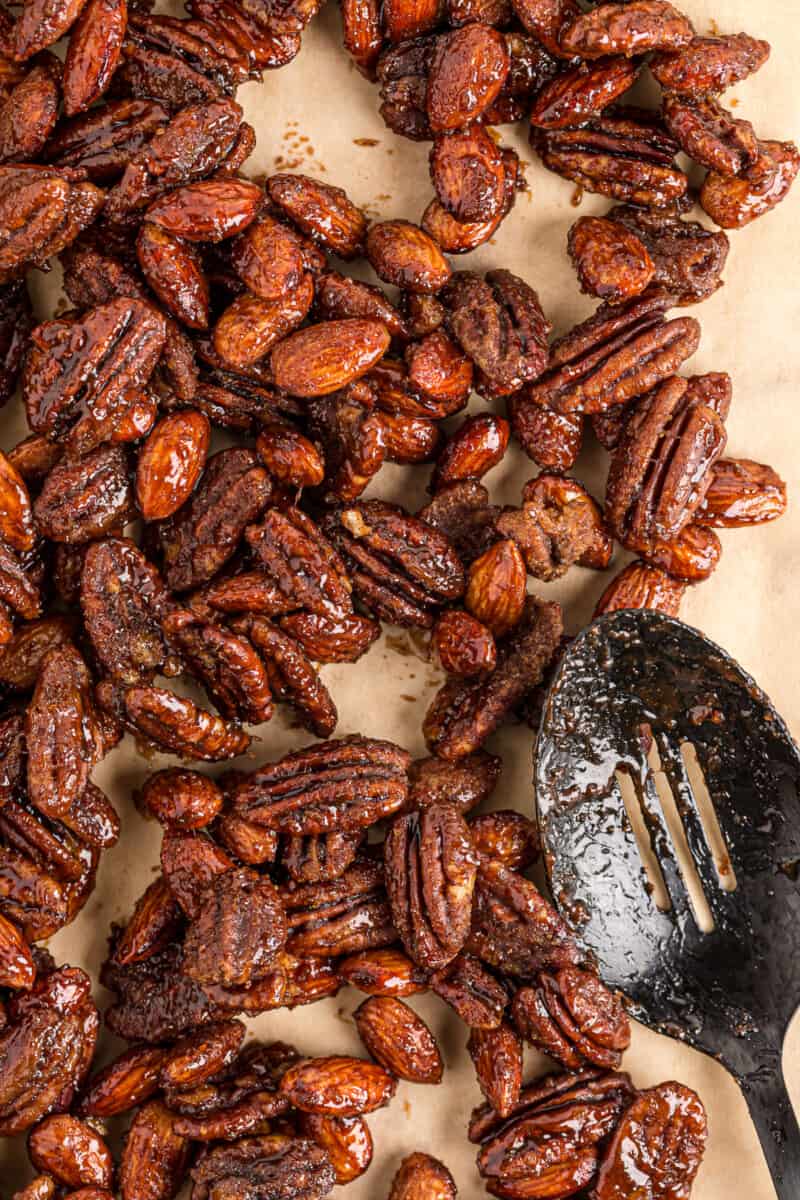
304,565
385,972
617,354
16,323
322,358
631,28
467,72
709,134
741,492
173,268
463,513
181,799
559,524
669,1115
237,932
85,498
155,1158
709,64
174,723
640,585
337,1086
88,366
228,666
430,876
734,202
463,644
355,441
124,602
688,258
28,112
346,1140
155,1001
422,1177
239,1097
551,439
497,1055
496,587
321,211
499,323
626,154
289,456
319,857
473,449
16,517
250,326
17,967
233,491
190,862
514,928
507,837
402,570
404,255
399,1040
337,296
43,1187
198,1057
547,20
343,917
550,1143
124,1083
156,920
468,173
46,1048
170,463
327,639
662,466
33,457
251,843
72,1152
268,258
611,261
463,714
208,211
573,1017
268,1165
409,439
582,91
93,54
105,139
691,556
19,587
340,786
466,783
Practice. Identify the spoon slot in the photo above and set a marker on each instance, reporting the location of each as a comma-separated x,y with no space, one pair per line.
654,883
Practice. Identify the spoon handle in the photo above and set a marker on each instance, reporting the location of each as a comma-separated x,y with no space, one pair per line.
778,1131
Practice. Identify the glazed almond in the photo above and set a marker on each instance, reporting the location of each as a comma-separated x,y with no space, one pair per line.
171,462
404,255
321,359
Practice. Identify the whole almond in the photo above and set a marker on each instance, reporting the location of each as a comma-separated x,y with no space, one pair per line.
322,358
440,369
155,1157
290,457
181,799
171,462
641,586
174,270
464,644
468,71
347,1140
399,1040
250,326
71,1151
496,587
16,517
323,212
208,211
337,1086
422,1177
384,972
127,1081
268,258
404,255
476,446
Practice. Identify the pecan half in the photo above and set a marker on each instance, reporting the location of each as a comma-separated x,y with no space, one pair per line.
302,562
228,666
634,27
668,1115
85,498
573,1017
559,524
271,1164
237,932
292,676
465,783
688,259
174,723
339,918
709,64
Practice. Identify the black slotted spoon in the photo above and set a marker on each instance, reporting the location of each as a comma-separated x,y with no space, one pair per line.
631,680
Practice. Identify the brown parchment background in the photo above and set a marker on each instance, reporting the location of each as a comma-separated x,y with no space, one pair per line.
310,116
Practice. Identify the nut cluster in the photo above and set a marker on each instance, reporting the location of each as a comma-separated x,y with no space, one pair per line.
132,551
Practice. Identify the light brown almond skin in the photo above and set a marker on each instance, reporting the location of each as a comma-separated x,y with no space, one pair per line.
322,358
399,1040
422,1177
337,1086
496,587
155,1157
250,326
469,68
128,1080
71,1151
641,586
742,492
171,462
464,644
347,1140
325,213
17,968
384,972
268,258
404,255
174,271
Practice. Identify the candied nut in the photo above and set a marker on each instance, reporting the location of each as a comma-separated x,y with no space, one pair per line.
85,498
383,972
631,28
514,928
249,842
16,518
582,91
691,556
43,1187
440,371
17,967
174,270
422,1177
430,876
181,799
640,585
547,20
268,258
266,1165
302,562
201,1055
323,212
156,920
709,134
289,456
342,917
497,1055
127,1081
337,296
155,1001
409,439
507,837
466,783
611,261
174,723
468,173
496,587
462,512
468,69
124,602
71,1151
319,857
292,675
473,449
741,492
207,211
499,323
735,202
250,327
660,1142
337,1086
322,358
573,1017
625,154
171,462
346,1140
399,1040
190,862
228,666
463,645
155,1158
103,140
709,64
354,438
237,932
688,258
559,524
404,255
344,785
327,639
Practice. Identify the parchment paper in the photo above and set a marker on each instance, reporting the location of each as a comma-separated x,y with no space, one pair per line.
318,115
